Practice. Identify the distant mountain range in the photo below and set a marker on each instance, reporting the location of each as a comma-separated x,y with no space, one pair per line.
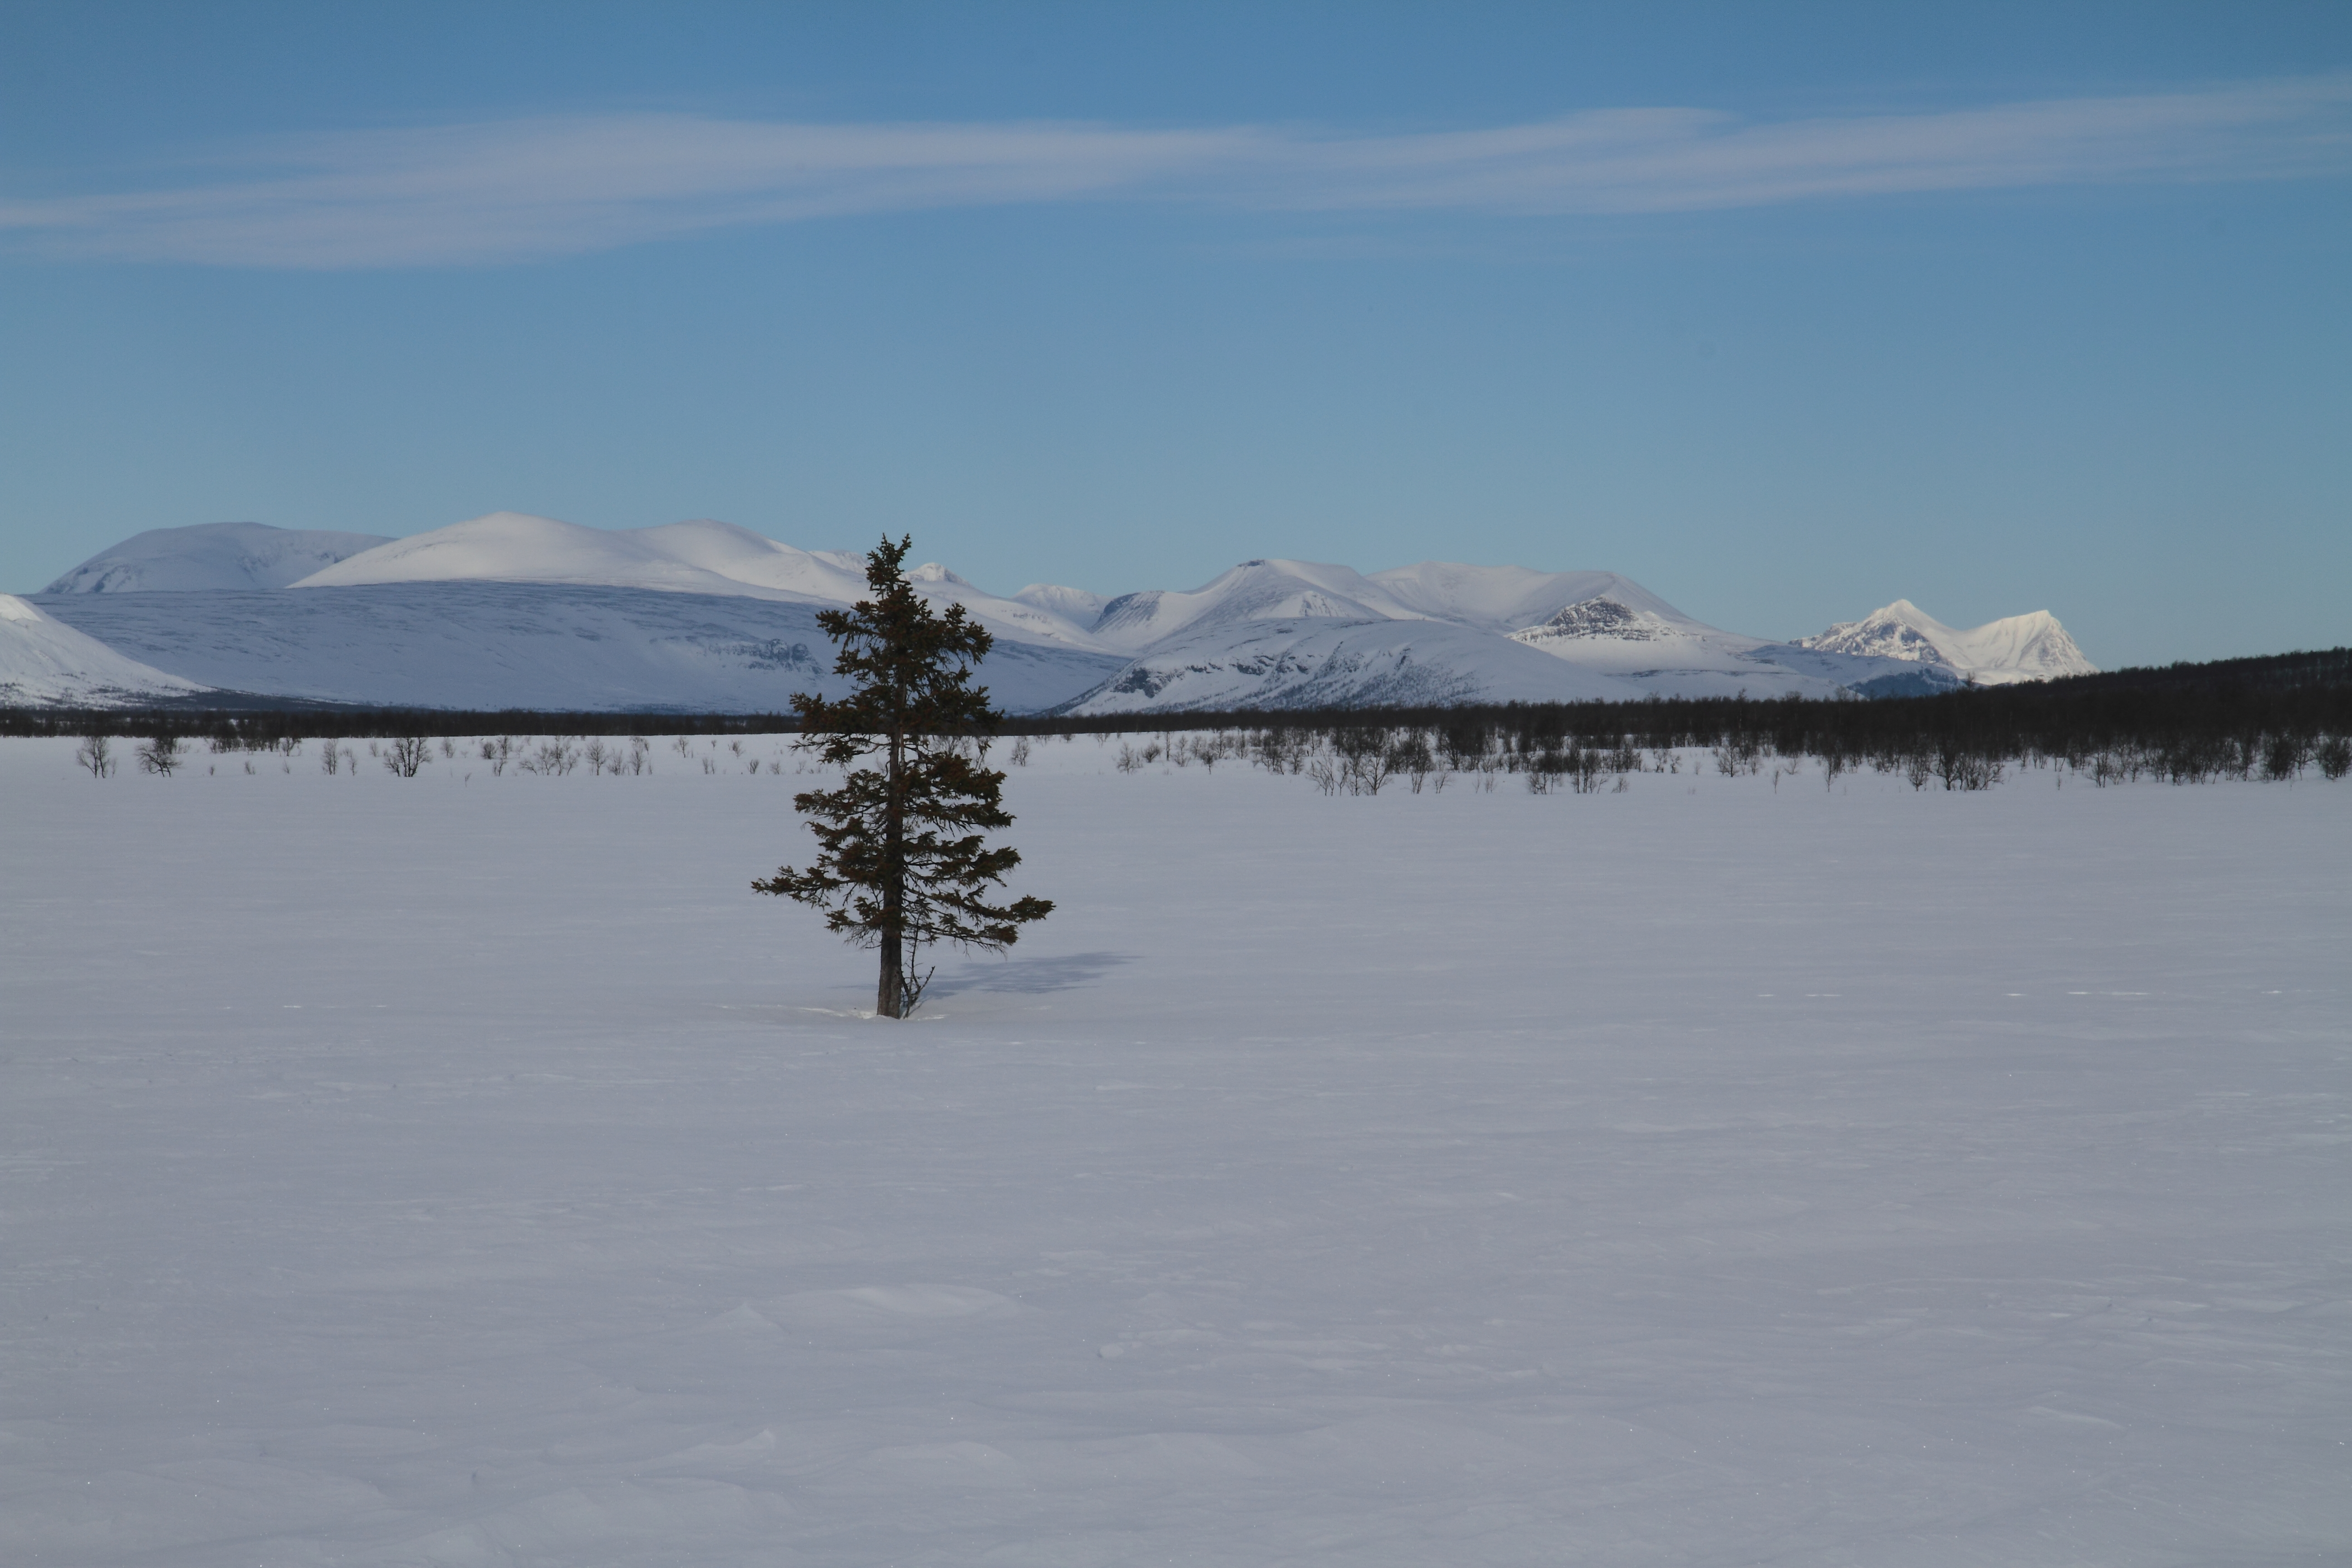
512,610
2023,647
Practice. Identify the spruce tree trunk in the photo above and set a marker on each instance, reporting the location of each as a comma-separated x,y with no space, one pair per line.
890,990
890,994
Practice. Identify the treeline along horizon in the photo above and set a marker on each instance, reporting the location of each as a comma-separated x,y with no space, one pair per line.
2233,717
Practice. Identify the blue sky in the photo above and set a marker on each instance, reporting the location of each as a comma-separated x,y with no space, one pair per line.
1785,312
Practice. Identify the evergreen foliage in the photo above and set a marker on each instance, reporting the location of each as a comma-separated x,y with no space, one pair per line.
901,857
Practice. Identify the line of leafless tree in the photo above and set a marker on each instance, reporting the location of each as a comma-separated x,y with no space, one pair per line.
2273,718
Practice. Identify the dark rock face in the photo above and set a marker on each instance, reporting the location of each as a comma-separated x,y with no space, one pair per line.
1880,637
1598,618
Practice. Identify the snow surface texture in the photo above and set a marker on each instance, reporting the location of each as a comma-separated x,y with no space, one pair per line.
44,663
1266,634
500,644
212,555
436,1171
2000,652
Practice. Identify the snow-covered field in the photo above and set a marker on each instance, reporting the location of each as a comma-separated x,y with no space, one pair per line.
436,1171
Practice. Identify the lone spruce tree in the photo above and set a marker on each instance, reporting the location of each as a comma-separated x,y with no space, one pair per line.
900,859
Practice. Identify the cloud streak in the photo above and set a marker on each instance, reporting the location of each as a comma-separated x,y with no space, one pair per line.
530,189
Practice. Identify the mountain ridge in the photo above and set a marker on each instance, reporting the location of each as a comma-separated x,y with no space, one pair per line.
2031,646
1268,632
698,556
212,555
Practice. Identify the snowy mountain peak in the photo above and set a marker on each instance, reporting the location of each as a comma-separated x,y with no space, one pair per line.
1666,650
1264,589
1268,631
2031,647
519,547
212,555
1896,632
1508,598
1075,605
1600,617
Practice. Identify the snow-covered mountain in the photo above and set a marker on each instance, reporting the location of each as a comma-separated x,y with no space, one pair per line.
512,610
1266,634
1075,605
562,645
515,610
1665,651
1252,591
698,557
45,663
212,555
1326,661
2020,647
1508,598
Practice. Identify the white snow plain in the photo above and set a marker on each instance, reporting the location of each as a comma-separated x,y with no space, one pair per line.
474,1171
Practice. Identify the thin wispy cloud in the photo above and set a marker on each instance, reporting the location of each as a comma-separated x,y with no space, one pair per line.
518,190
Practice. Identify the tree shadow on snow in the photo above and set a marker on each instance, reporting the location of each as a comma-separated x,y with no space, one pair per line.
1030,975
